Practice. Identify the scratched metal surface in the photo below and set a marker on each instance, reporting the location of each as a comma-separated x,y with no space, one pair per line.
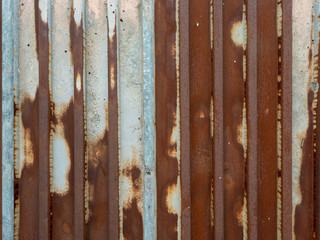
160,119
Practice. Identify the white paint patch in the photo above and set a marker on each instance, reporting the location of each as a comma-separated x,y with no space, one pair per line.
173,198
279,18
112,77
28,61
301,76
78,82
97,69
61,164
43,6
239,31
78,10
112,17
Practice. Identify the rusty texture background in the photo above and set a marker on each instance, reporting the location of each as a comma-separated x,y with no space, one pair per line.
160,119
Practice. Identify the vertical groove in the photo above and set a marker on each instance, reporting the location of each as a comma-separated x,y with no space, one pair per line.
200,121
287,120
76,37
252,121
185,122
1,142
42,32
267,118
113,115
218,121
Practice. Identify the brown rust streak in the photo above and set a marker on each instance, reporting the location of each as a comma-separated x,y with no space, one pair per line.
76,48
44,118
200,108
234,94
166,104
132,218
113,179
29,180
62,205
98,186
303,226
267,119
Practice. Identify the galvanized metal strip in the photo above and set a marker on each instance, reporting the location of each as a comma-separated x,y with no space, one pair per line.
267,118
200,119
252,165
7,115
287,119
218,114
97,120
62,123
168,134
149,196
42,35
130,97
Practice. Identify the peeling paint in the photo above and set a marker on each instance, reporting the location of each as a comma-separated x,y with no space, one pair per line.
43,6
61,164
78,9
239,31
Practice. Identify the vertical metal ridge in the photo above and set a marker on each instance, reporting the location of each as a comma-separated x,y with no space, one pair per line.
287,120
1,141
76,38
252,177
267,118
113,118
7,118
42,31
150,230
200,119
168,119
97,120
234,119
185,121
218,121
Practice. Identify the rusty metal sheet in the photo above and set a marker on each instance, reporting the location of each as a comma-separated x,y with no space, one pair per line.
160,119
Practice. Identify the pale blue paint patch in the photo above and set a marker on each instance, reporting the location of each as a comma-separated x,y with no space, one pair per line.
150,229
7,118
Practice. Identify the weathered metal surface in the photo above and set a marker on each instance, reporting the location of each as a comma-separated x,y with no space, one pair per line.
160,119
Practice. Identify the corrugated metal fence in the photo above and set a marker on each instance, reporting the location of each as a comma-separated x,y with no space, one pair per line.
160,119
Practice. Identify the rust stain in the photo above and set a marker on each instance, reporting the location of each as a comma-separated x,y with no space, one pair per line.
133,199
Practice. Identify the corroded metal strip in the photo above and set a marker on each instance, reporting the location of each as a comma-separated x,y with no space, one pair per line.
113,117
218,112
150,229
267,118
42,35
252,177
185,121
167,80
62,124
131,119
306,211
200,119
27,165
287,120
96,56
79,131
235,127
7,76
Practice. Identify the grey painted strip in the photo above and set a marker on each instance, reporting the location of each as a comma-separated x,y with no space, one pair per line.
7,118
149,120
